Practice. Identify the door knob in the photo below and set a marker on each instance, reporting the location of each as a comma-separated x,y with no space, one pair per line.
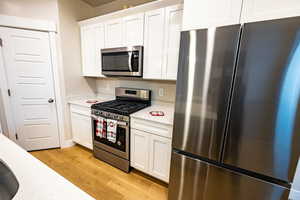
50,100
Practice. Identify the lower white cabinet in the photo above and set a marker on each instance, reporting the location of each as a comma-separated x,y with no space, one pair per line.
81,126
151,154
140,150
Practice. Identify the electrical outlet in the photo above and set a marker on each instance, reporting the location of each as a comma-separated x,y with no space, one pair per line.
161,92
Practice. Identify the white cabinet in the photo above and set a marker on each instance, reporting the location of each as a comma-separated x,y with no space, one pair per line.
151,148
207,13
160,157
154,44
92,40
259,10
173,25
133,27
81,126
139,150
114,33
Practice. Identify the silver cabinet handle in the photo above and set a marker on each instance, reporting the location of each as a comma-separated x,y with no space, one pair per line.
51,100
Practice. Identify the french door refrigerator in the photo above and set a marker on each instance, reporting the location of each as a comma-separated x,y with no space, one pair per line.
237,117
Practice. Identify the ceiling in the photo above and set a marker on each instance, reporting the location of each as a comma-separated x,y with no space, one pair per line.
97,2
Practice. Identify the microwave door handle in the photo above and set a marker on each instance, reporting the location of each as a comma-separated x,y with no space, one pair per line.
129,61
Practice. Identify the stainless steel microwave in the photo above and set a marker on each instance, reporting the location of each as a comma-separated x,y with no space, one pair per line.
123,61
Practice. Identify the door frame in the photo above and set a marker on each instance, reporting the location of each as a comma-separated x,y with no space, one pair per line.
57,70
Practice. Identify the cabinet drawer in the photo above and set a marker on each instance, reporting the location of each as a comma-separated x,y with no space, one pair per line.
152,127
80,110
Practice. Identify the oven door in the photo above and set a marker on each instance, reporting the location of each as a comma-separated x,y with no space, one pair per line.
125,61
121,146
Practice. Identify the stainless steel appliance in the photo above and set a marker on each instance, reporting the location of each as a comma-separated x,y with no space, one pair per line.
123,61
128,101
236,135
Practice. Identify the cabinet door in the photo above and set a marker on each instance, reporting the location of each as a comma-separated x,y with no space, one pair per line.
204,14
99,44
82,129
160,157
173,26
87,50
114,33
92,38
154,44
139,153
133,27
259,10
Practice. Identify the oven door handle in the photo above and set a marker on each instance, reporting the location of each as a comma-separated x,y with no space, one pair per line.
129,61
121,123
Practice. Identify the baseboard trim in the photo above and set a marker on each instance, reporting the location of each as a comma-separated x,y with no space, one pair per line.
67,143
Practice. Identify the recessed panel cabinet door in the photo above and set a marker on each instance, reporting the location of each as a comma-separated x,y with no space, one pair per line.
210,13
27,59
92,40
258,10
173,26
160,157
114,33
82,129
133,27
154,44
139,153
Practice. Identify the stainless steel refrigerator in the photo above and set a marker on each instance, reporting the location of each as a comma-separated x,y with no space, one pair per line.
237,117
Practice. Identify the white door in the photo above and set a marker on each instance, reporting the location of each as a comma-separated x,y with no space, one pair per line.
160,157
139,151
173,26
259,10
133,27
204,14
28,66
114,33
92,40
154,43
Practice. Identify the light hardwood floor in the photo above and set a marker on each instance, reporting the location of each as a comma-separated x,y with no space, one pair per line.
99,179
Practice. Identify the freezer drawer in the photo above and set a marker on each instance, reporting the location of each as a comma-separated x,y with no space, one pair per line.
193,179
206,65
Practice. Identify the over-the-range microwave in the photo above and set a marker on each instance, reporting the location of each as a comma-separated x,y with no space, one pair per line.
123,61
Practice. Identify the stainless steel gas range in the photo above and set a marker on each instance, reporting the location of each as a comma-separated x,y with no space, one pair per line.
114,147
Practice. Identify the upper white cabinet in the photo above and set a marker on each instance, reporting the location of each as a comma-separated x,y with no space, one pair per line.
154,43
114,33
92,40
259,10
173,26
133,28
207,13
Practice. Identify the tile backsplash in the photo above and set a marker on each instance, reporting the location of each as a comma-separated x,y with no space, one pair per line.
161,90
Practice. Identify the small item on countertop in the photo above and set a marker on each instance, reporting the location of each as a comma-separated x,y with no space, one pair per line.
157,113
101,127
92,101
112,130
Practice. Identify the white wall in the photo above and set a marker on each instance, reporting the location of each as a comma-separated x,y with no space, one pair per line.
106,86
70,11
37,9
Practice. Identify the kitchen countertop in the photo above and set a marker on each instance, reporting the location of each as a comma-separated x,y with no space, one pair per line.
37,181
82,101
167,108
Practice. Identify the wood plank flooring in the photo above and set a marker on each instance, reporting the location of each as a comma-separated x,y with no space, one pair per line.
100,180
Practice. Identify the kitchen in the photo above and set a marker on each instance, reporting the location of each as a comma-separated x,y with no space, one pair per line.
103,93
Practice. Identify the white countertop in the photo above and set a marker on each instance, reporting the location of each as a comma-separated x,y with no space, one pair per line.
37,181
82,101
167,108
